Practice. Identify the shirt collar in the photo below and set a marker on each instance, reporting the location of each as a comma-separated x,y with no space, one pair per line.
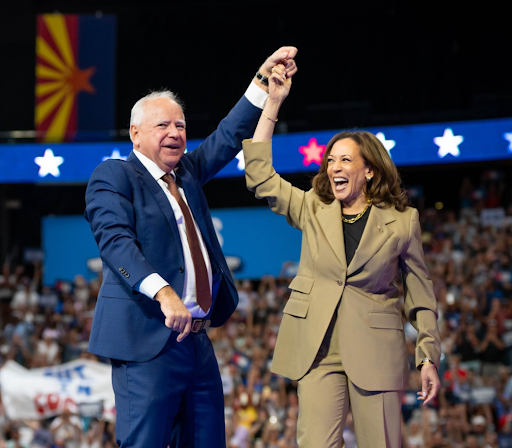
155,171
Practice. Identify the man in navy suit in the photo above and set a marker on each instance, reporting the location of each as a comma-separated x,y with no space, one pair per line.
153,306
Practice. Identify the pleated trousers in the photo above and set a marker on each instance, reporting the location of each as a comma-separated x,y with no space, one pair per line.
327,395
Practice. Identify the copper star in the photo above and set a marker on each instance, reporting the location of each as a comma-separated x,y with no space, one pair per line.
79,80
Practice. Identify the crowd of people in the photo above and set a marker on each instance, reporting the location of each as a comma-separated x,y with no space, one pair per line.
471,267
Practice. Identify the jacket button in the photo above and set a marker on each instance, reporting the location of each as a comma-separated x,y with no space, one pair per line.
182,269
340,282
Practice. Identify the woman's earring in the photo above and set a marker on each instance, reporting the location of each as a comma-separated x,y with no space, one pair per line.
368,179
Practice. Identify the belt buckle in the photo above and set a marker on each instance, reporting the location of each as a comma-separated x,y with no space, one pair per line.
197,325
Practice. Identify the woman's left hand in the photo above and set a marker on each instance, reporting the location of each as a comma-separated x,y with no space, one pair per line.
430,383
279,83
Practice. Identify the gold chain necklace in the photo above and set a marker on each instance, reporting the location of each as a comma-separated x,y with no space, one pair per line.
355,218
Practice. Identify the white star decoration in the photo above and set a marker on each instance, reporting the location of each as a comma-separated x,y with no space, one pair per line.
49,164
241,161
448,143
508,136
388,144
116,154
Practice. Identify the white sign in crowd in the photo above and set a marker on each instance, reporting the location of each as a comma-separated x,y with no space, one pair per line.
82,385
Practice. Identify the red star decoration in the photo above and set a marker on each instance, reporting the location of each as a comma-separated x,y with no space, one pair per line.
312,152
80,79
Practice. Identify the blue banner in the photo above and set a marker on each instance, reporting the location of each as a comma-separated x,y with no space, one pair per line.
424,144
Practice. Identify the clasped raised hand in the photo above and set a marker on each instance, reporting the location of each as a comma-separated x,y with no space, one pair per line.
286,57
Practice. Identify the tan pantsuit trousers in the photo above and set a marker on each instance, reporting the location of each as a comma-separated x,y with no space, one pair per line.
325,396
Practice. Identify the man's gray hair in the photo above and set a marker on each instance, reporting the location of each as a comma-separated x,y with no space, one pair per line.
137,114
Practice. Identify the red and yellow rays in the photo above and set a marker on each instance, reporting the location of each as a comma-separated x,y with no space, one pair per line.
58,77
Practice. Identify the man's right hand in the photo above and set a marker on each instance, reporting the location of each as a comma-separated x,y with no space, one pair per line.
177,316
285,56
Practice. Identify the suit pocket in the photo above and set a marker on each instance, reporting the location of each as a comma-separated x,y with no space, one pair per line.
297,308
385,320
302,284
298,303
117,292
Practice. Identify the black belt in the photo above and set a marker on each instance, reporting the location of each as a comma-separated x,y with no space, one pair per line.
199,324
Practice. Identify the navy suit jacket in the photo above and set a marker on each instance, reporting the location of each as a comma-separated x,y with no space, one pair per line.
137,235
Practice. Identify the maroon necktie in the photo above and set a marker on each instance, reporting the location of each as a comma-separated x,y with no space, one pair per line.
203,294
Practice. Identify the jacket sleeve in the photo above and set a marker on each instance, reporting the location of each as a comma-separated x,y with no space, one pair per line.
222,145
419,298
110,212
261,178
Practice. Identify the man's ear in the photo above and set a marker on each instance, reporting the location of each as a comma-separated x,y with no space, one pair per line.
134,135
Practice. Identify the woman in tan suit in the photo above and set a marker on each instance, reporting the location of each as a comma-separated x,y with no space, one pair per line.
342,334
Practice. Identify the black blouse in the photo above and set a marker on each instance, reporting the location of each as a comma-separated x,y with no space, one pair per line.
352,234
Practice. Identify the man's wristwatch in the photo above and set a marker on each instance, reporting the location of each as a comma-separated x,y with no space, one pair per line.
426,361
263,79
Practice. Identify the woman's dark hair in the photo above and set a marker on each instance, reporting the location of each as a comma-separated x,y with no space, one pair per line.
385,186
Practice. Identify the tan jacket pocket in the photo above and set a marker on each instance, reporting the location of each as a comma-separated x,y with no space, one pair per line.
302,284
297,308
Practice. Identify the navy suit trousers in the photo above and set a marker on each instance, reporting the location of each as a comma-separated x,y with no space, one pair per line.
181,390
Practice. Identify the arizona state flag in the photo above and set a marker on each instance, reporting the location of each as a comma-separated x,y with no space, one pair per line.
75,77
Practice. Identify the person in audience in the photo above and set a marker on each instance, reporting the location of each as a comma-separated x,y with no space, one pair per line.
67,429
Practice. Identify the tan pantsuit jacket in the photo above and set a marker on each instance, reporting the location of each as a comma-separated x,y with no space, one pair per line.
371,335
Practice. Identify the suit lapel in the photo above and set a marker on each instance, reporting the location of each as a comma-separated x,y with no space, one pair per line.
376,233
156,191
329,218
185,181
201,214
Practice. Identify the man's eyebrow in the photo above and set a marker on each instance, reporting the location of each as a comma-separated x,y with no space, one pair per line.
167,122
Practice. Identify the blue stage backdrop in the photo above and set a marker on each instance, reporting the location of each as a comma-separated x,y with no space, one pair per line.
424,144
257,238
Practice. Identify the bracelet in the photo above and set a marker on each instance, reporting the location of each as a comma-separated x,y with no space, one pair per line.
263,79
268,118
426,361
